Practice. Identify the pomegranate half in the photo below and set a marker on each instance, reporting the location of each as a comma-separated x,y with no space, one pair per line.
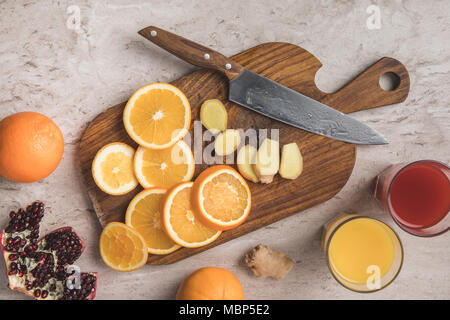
43,268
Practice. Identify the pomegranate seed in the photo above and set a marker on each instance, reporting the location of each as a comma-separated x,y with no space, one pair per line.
29,287
12,272
9,241
37,293
12,214
44,294
12,257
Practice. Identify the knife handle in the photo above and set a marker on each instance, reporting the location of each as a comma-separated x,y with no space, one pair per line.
192,52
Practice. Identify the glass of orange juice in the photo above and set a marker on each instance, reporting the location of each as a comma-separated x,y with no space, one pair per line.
364,254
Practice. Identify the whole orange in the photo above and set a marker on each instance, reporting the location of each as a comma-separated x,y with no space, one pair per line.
31,147
210,283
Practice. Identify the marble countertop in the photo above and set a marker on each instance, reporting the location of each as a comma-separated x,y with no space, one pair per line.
72,67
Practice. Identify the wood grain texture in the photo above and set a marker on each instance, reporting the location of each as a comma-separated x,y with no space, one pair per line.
327,163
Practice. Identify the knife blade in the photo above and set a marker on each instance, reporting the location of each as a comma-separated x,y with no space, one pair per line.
266,96
278,102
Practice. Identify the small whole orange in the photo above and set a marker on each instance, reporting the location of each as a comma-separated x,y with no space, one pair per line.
31,147
210,283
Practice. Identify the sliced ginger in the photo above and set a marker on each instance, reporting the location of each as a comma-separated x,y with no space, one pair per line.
213,115
291,161
227,142
267,160
264,262
245,159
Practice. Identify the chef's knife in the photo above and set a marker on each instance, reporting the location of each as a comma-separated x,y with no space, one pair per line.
265,96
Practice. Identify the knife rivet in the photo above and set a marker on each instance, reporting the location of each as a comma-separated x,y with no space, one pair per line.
228,66
153,33
206,56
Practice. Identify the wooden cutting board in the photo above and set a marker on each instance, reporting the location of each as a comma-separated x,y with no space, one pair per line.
327,163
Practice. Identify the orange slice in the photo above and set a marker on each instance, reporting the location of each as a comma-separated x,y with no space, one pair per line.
144,215
221,198
157,115
179,221
112,169
164,168
122,248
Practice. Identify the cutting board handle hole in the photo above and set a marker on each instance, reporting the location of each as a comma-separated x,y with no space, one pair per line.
389,81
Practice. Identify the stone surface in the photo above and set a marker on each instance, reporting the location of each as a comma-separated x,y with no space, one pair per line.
71,74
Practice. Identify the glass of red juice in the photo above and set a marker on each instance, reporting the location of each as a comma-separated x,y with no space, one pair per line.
417,196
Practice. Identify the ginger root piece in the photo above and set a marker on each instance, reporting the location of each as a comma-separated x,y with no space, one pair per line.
267,160
213,115
227,142
245,159
291,161
267,263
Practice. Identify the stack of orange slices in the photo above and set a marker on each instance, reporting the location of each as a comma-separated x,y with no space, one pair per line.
195,213
172,211
156,117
